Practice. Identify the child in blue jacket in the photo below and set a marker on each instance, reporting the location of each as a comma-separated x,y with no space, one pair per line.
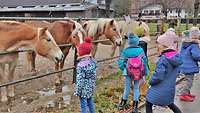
132,51
190,53
163,80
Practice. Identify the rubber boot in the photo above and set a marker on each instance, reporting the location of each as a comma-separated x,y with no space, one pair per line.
122,104
135,107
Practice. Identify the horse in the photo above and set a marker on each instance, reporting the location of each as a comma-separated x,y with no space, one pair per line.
14,35
64,32
103,28
126,28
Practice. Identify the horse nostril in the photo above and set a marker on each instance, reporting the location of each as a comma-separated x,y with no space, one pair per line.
57,59
118,43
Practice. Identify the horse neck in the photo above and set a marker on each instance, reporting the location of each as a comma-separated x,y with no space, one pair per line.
27,40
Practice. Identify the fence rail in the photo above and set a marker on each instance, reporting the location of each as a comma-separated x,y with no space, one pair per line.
54,72
62,45
47,74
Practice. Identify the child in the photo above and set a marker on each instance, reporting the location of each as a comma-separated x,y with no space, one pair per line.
143,34
190,54
163,81
86,76
133,51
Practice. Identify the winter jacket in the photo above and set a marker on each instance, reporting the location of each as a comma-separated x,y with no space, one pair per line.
190,53
129,53
163,81
86,77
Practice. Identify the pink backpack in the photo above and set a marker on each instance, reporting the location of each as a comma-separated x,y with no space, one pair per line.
135,67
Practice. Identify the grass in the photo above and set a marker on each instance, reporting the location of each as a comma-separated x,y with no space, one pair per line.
109,92
153,27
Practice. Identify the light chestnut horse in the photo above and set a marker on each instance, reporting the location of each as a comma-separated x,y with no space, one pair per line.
14,35
64,32
103,28
126,28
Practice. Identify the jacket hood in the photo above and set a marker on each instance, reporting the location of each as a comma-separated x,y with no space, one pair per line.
172,57
133,51
186,42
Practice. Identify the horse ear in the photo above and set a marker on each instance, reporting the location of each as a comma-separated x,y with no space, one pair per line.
42,30
84,25
74,26
112,22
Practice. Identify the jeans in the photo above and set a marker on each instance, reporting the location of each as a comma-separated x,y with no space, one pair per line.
172,106
127,87
84,102
187,84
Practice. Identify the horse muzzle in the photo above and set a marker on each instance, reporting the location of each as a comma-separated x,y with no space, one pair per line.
118,42
59,57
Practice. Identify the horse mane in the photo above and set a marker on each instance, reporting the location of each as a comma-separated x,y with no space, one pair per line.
11,22
91,28
102,22
12,25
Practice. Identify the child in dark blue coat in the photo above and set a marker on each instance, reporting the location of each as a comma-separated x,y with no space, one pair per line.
132,51
163,81
190,53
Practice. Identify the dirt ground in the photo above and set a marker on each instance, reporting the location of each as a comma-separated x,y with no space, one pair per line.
39,95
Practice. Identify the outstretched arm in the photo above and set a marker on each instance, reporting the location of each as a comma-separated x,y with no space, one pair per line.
158,75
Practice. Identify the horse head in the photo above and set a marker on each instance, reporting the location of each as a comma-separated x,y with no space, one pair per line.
77,34
46,45
110,29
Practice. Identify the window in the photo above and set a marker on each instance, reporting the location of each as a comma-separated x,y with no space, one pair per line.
157,12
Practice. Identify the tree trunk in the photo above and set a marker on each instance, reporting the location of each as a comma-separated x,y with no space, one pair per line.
108,2
196,10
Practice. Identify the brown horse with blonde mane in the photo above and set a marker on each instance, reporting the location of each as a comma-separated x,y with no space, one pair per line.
103,28
14,35
64,32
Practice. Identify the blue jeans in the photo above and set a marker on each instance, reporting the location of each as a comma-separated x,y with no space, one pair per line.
127,87
84,102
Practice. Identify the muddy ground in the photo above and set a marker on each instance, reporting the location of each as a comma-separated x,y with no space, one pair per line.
38,96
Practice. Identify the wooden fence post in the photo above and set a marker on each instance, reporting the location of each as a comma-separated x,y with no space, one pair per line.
75,63
187,23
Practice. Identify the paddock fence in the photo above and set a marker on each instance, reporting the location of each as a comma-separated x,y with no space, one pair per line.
151,54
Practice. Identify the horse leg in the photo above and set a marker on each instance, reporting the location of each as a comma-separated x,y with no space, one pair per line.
113,50
57,78
94,49
4,79
60,66
123,44
12,67
31,60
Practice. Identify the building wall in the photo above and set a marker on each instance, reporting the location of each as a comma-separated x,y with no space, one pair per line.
174,13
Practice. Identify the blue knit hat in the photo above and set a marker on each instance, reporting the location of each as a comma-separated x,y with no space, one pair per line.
133,40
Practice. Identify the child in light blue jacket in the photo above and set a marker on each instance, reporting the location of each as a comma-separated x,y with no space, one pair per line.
133,50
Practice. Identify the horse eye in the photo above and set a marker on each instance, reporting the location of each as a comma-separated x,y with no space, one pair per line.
48,39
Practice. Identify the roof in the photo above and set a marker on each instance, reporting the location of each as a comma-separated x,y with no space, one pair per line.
51,7
14,3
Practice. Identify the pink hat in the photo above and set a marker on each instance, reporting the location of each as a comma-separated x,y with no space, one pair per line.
168,39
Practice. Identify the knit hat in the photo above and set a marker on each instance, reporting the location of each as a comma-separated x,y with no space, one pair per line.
133,40
168,39
85,47
194,33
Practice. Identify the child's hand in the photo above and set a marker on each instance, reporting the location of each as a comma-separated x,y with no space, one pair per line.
123,78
